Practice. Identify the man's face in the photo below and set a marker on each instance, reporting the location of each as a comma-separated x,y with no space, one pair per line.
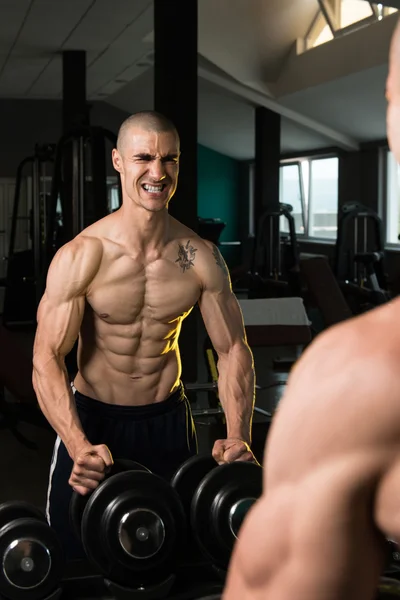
393,96
149,165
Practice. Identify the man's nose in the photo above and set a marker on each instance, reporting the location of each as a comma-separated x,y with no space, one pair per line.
157,170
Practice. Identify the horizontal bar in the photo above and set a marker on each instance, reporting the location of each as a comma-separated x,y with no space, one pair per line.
209,386
200,412
197,387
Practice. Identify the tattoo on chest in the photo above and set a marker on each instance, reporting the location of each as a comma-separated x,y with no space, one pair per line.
220,261
186,256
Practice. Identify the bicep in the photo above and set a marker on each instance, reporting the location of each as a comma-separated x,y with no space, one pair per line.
61,309
223,319
219,307
58,325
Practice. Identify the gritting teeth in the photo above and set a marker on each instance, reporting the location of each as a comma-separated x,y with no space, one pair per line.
153,188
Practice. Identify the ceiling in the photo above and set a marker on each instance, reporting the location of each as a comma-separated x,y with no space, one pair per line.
332,95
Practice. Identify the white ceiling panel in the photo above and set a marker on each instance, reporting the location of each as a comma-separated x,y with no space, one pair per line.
136,95
105,23
49,83
18,75
12,13
50,22
109,67
121,54
115,85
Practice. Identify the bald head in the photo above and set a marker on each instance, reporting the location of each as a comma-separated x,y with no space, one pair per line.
148,120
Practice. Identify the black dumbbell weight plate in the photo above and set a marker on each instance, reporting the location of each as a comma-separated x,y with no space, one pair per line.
186,479
219,506
32,560
78,502
18,509
132,528
388,589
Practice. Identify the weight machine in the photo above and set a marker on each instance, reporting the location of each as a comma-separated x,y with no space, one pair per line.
359,260
28,237
69,186
275,265
82,187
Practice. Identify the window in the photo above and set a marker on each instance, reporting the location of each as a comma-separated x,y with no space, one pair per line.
290,192
323,197
393,200
341,16
354,11
310,186
326,35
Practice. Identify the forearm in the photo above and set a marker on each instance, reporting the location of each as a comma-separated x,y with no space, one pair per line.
55,398
236,388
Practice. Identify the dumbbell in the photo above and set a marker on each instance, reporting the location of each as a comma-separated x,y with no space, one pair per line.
216,499
392,558
388,589
31,556
131,526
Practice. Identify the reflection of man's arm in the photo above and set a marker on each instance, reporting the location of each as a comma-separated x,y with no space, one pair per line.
224,323
59,318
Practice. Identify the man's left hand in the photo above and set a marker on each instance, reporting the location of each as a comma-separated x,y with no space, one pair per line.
231,450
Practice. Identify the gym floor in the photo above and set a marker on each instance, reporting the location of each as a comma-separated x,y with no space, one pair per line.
25,471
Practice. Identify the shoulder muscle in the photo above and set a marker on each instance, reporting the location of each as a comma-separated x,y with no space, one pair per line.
215,273
73,268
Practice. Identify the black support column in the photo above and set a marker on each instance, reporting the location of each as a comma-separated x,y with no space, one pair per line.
75,111
268,151
266,184
74,114
175,96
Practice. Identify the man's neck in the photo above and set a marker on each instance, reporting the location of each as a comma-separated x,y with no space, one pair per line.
143,230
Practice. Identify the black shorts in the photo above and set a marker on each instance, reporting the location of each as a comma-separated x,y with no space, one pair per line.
160,436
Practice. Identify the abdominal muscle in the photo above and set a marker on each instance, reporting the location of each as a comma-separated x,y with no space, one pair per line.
130,364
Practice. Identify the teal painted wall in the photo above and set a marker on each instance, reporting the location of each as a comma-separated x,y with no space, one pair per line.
218,194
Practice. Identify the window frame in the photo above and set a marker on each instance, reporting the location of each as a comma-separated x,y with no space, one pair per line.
297,163
290,161
330,16
306,204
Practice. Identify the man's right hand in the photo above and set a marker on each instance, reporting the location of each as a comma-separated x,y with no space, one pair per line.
91,465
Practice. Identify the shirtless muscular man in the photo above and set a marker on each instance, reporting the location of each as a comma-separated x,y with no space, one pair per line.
332,462
124,286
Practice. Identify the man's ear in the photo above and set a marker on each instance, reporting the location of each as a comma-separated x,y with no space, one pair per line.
116,160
